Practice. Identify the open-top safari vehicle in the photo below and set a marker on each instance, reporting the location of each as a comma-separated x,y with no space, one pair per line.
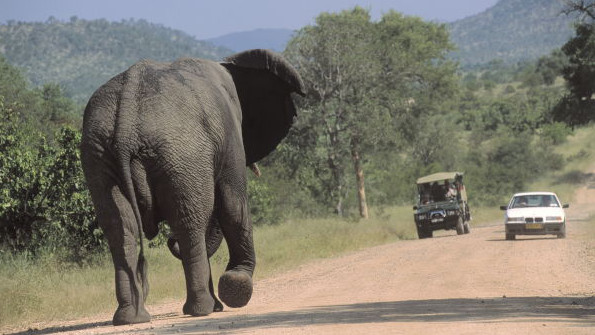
441,204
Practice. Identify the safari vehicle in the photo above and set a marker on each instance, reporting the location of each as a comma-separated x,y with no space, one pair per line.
441,204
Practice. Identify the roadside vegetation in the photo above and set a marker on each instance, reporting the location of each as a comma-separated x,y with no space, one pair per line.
385,106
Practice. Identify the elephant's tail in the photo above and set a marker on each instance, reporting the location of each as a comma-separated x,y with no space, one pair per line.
142,267
125,137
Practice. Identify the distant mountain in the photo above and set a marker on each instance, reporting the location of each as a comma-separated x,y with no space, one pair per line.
274,39
81,55
512,30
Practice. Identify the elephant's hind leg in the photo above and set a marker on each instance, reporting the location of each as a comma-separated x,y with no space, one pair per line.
213,239
193,252
117,220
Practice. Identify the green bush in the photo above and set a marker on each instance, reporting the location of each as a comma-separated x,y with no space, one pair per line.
555,133
44,203
261,201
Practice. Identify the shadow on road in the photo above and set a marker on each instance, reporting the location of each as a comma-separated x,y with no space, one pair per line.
576,311
54,330
579,311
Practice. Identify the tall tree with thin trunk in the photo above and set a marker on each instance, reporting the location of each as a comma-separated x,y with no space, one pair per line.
362,78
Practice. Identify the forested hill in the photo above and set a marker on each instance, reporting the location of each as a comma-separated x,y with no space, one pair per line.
512,30
81,55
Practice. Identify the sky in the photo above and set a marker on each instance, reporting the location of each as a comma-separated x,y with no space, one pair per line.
206,19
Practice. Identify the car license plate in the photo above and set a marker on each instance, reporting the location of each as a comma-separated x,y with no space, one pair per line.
534,226
437,220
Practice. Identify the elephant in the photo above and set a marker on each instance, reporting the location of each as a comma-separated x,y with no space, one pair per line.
171,142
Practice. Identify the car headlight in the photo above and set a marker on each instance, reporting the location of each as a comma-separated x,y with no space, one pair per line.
451,213
554,219
515,220
421,216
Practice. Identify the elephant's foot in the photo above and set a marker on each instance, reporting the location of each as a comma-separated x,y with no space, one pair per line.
235,288
128,315
200,307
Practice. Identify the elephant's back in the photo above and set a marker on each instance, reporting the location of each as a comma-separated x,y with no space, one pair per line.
151,97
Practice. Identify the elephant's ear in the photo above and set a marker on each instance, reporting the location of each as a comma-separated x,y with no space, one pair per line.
264,82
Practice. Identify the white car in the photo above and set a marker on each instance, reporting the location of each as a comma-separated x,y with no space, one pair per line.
535,213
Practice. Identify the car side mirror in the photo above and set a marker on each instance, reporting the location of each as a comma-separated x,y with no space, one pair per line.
565,206
414,207
503,208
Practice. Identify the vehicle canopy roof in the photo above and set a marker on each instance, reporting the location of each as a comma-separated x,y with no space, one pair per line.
440,176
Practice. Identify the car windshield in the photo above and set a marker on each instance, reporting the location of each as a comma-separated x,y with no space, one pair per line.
534,200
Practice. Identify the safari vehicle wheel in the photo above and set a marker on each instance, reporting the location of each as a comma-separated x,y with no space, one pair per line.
460,226
510,237
466,227
422,233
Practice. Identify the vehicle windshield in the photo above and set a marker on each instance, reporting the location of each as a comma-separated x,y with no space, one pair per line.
439,191
534,200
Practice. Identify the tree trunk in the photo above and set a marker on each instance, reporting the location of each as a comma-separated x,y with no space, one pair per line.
337,187
361,187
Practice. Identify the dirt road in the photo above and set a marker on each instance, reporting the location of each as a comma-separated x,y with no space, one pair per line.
470,284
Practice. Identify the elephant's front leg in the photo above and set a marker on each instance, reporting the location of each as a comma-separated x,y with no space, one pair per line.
235,285
197,271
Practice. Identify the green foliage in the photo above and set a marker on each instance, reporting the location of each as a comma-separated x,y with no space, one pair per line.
45,109
21,180
262,204
371,86
70,218
550,67
577,108
500,167
57,108
555,133
44,204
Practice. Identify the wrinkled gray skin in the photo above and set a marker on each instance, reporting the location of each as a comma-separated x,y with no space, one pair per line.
170,141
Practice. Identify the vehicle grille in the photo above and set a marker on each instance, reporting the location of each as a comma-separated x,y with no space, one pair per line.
531,220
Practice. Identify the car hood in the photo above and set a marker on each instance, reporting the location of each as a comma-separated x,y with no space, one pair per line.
535,211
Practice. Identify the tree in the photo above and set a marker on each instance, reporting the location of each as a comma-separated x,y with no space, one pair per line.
57,108
367,83
333,57
578,106
44,203
585,8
